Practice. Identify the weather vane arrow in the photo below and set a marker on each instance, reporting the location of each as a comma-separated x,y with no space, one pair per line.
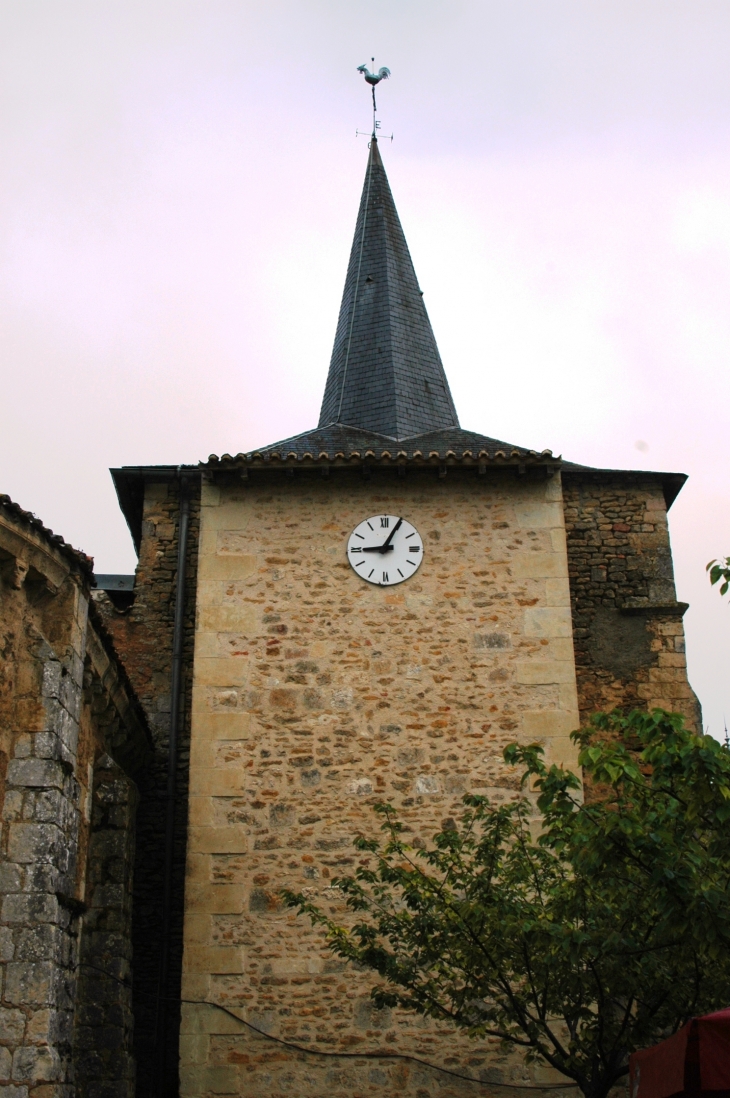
374,78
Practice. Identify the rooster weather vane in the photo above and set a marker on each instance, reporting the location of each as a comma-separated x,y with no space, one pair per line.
372,79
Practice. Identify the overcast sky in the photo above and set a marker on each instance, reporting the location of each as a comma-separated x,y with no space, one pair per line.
178,190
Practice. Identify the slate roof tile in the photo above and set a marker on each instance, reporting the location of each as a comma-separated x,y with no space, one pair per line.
338,438
385,374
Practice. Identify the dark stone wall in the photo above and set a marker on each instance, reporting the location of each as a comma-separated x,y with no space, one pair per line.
627,623
143,637
103,1026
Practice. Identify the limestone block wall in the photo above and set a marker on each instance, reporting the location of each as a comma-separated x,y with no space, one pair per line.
315,695
627,623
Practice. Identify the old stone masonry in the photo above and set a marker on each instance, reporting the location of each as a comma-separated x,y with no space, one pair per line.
179,745
72,737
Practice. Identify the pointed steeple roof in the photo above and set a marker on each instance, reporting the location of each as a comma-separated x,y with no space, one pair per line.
385,374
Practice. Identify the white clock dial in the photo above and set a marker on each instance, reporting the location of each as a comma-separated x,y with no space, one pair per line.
385,549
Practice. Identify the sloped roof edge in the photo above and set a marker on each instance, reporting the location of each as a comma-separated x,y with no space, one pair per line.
672,483
80,561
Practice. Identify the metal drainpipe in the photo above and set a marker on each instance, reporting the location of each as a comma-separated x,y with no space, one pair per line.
171,794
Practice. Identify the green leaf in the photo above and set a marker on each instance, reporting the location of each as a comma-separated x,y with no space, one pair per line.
578,930
720,570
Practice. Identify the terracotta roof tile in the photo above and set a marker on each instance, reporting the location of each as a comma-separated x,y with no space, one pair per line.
81,561
339,442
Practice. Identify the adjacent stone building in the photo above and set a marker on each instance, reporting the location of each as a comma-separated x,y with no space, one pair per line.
291,676
72,739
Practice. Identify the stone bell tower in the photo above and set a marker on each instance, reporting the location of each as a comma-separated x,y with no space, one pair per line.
317,693
288,687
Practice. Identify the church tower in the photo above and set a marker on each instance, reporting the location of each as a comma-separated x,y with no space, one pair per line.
368,611
382,605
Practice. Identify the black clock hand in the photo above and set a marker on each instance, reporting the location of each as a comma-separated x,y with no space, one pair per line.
386,544
377,548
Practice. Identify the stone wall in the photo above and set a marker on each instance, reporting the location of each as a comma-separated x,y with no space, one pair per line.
627,623
61,690
316,695
103,1022
143,637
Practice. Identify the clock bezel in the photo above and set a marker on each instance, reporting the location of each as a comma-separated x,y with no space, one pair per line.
385,522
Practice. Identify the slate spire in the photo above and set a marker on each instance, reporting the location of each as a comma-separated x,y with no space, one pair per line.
385,373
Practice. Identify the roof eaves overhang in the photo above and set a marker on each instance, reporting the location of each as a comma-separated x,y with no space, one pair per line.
272,459
129,484
671,483
130,480
80,562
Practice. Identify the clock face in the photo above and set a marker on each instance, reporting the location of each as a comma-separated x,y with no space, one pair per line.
385,549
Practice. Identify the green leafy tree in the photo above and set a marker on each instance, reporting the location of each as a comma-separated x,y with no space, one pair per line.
720,570
574,931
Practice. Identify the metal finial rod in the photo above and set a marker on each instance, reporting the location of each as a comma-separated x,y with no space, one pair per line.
374,78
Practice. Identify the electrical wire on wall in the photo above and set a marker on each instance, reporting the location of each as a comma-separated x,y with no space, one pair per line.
381,1056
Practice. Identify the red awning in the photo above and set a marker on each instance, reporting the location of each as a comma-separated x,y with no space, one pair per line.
694,1061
